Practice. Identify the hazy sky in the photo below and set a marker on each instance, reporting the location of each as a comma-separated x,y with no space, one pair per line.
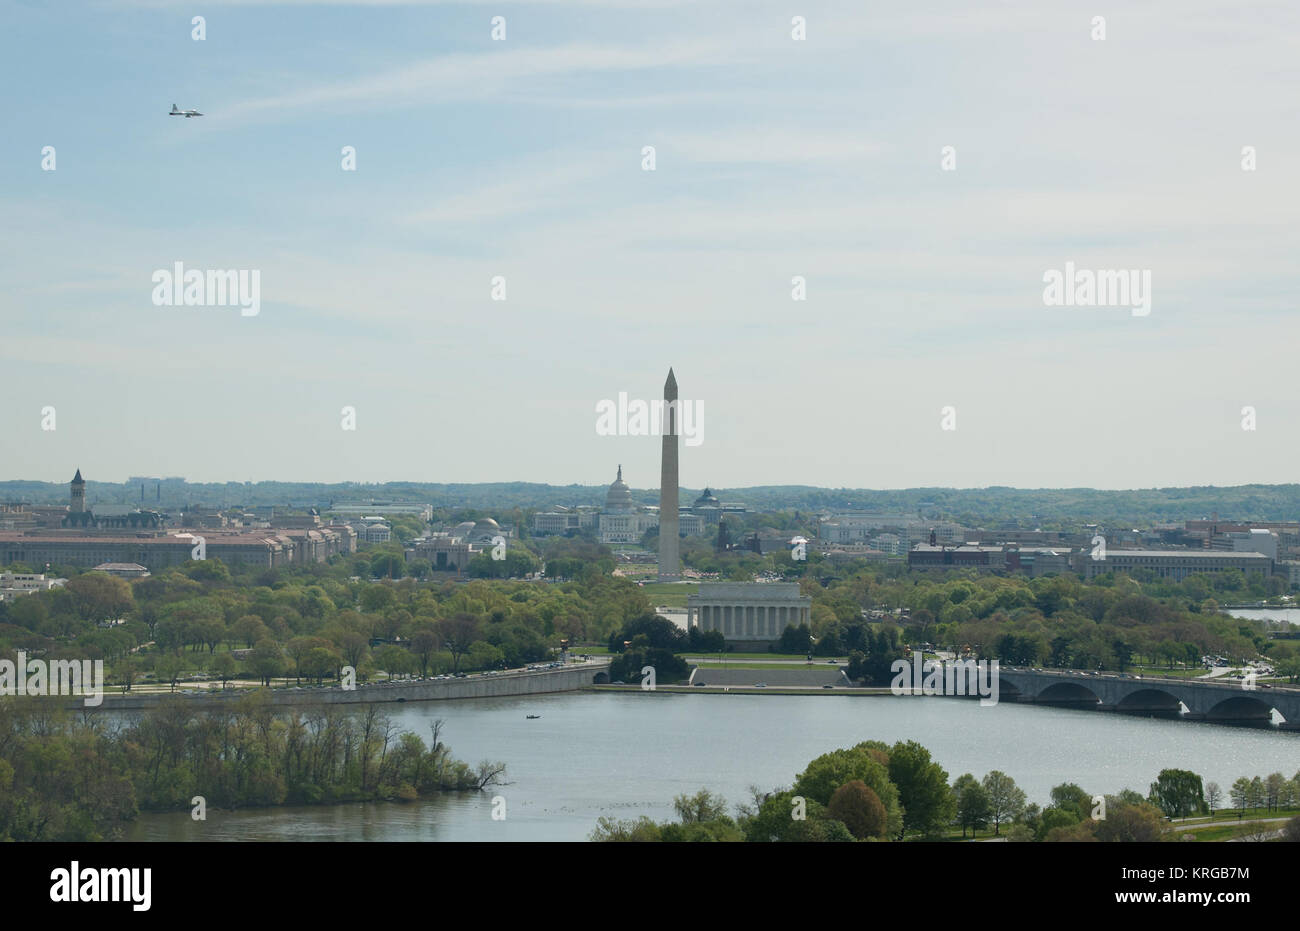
775,158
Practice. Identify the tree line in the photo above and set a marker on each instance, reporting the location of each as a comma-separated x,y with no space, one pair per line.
85,777
873,792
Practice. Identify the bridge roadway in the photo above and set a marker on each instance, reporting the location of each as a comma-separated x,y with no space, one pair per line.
1205,700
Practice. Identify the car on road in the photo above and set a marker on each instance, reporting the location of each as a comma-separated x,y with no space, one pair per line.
760,685
700,685
828,686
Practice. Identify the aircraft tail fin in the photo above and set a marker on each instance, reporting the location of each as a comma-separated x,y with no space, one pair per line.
174,109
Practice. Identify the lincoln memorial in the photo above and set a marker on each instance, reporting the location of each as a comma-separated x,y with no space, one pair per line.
748,610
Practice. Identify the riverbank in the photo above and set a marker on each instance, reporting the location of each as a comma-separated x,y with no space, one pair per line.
586,756
568,678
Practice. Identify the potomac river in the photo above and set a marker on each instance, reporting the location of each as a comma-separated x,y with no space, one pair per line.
627,754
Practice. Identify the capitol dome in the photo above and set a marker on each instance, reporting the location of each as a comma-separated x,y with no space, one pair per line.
706,500
619,499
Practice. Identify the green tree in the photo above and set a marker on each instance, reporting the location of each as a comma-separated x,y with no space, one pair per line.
642,830
1072,798
1006,800
1274,784
829,771
127,671
224,668
248,630
167,669
974,808
387,565
1140,823
353,647
267,661
317,663
458,634
1240,793
795,640
99,597
206,570
923,790
1178,793
1053,817
377,597
424,643
776,821
702,806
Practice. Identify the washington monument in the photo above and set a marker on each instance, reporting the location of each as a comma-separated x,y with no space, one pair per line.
669,564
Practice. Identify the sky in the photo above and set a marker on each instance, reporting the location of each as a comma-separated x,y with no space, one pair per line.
774,157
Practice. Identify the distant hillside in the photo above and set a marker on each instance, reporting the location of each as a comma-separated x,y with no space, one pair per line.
983,507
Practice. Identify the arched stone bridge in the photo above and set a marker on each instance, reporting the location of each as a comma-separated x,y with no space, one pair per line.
1205,700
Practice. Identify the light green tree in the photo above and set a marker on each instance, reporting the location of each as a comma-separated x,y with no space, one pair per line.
1006,799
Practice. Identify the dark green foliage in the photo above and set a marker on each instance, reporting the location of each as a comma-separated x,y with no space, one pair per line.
65,778
1178,793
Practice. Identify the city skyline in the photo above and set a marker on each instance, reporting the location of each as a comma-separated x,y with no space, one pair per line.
600,485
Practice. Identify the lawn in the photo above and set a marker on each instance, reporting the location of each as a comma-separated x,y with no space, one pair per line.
725,665
791,657
669,594
1223,832
1155,672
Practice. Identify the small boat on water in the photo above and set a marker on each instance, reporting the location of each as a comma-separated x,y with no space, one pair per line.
532,717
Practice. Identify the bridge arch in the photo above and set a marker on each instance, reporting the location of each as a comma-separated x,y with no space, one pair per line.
1151,701
1069,694
601,678
1244,708
1008,690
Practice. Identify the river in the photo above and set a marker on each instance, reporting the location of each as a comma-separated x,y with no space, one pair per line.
1291,615
621,754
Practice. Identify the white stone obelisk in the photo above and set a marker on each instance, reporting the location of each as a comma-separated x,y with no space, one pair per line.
669,561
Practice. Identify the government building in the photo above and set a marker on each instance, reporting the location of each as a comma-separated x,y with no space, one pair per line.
451,550
748,612
622,520
82,535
